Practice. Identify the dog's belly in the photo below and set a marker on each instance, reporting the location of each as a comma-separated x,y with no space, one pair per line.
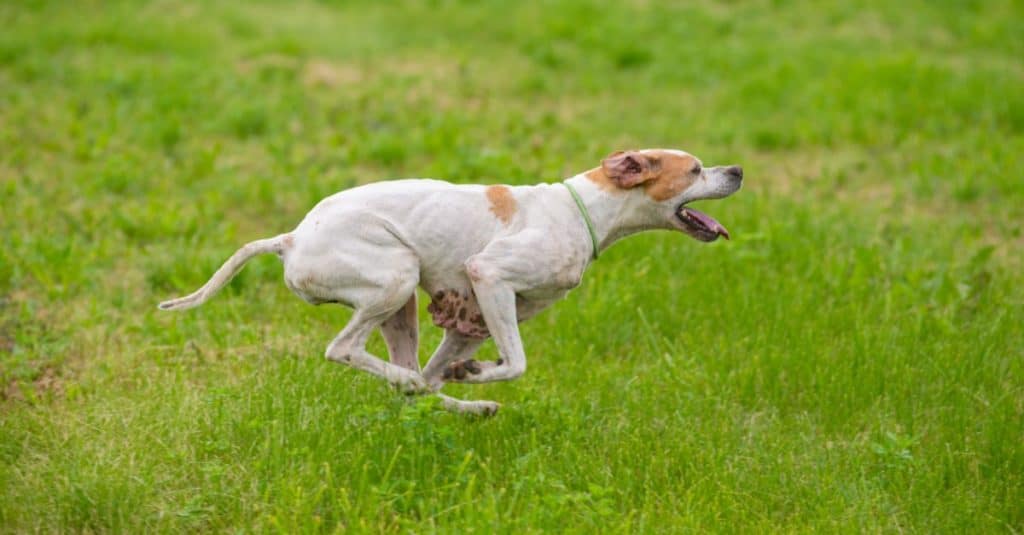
457,309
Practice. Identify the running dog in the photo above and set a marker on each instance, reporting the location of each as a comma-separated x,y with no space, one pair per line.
489,257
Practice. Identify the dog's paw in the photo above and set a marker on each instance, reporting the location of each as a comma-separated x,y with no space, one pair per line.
461,370
458,370
410,384
486,408
478,408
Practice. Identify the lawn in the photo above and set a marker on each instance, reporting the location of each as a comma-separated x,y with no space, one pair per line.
852,361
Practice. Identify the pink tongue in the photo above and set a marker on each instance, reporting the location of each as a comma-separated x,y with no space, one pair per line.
707,221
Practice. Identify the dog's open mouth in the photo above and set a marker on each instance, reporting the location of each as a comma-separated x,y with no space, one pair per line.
700,225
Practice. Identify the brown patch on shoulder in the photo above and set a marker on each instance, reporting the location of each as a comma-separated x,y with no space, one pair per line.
603,181
288,241
669,175
503,204
674,175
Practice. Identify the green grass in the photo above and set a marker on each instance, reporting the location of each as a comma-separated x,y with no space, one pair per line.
851,361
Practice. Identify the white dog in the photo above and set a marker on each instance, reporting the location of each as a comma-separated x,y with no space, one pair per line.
489,256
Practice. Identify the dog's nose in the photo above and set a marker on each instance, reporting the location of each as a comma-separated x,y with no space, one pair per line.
735,170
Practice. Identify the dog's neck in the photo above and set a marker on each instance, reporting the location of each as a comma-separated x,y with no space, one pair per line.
615,213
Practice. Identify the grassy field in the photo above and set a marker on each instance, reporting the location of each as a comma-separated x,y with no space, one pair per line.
853,360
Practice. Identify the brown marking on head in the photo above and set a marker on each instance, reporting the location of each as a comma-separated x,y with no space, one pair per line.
628,168
503,204
662,173
675,173
288,241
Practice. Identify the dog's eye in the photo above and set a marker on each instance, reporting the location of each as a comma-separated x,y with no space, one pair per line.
696,169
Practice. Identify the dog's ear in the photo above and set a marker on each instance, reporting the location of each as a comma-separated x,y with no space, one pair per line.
627,169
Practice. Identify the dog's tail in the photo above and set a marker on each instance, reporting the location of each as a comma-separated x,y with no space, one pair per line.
226,272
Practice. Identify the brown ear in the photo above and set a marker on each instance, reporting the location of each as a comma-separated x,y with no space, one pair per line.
627,169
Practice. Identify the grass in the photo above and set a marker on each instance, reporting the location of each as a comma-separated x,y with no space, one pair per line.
851,361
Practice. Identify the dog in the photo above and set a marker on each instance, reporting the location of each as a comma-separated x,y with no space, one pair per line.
489,257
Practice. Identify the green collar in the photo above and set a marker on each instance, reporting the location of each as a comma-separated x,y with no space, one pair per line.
585,213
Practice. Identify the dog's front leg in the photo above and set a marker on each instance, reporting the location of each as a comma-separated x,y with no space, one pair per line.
497,301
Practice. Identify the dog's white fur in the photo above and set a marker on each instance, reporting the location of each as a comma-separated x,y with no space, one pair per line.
508,252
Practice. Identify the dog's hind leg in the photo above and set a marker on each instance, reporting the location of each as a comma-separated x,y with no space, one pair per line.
455,347
349,348
375,304
401,334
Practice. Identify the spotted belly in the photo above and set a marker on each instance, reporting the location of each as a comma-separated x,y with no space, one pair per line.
458,310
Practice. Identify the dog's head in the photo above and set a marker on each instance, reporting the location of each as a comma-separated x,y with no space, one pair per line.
663,181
